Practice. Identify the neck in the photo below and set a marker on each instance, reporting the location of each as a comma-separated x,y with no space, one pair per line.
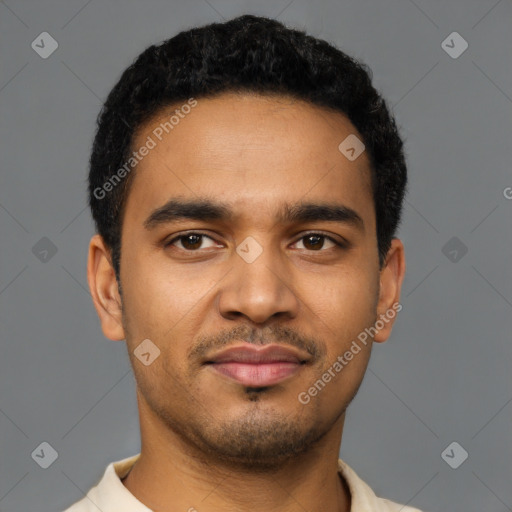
170,475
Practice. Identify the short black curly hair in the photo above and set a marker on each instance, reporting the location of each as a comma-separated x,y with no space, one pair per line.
245,54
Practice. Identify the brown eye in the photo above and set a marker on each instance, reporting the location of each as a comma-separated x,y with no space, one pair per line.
190,241
316,242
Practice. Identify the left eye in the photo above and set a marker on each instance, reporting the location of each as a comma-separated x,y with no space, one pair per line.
315,241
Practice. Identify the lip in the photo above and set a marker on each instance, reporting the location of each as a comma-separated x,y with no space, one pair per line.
258,366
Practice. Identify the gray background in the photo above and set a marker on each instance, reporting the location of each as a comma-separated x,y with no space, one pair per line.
443,376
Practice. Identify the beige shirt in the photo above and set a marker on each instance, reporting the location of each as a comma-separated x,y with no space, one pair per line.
110,495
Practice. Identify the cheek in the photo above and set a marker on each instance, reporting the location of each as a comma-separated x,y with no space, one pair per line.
343,320
154,294
345,300
344,308
164,304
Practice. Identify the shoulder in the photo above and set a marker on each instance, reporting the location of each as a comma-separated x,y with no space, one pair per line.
363,497
84,505
391,506
109,492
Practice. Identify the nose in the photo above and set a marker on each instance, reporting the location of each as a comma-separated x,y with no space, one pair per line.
259,290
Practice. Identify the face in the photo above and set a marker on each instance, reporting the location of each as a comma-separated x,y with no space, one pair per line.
246,227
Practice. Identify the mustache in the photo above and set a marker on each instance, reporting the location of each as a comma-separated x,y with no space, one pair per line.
278,335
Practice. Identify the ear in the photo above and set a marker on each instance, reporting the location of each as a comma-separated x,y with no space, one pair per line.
104,290
391,278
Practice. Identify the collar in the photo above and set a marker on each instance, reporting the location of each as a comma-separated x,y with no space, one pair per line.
110,495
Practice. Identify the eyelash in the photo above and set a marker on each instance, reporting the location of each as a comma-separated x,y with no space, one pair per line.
341,245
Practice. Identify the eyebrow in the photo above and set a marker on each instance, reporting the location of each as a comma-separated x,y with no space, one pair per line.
207,210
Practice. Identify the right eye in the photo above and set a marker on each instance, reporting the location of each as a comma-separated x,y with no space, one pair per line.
190,241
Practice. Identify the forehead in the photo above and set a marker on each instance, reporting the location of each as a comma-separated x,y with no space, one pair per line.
254,152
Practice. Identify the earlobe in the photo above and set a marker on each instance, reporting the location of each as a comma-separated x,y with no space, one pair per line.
391,278
104,289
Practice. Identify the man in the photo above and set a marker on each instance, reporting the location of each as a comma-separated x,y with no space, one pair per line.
246,182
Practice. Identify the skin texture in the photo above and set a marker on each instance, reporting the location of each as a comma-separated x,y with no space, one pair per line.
209,442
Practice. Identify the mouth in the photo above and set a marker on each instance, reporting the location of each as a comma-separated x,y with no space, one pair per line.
257,366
